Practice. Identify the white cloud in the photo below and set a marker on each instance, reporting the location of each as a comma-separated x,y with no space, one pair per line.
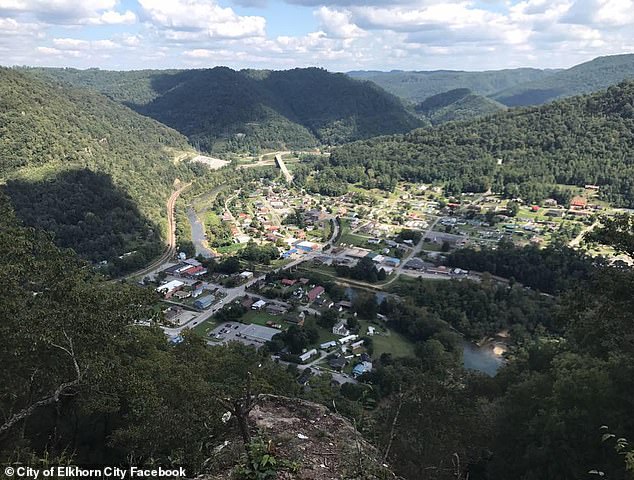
337,23
188,20
111,17
345,34
68,12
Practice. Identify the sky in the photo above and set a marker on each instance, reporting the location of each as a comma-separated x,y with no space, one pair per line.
339,35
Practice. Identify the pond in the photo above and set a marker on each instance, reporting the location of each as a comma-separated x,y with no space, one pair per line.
481,359
351,294
198,234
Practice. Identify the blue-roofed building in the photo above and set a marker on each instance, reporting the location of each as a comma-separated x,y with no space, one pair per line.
289,253
361,368
204,302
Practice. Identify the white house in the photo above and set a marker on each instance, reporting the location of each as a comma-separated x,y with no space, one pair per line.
258,305
305,356
341,329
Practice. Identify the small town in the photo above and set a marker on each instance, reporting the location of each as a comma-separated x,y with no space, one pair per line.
273,262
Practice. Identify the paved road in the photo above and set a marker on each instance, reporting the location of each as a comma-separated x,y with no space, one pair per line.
170,249
577,240
237,292
282,165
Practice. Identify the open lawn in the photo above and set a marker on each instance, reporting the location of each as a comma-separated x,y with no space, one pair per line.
324,334
394,343
260,318
205,327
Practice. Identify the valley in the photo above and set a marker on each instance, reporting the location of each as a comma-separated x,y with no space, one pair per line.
442,270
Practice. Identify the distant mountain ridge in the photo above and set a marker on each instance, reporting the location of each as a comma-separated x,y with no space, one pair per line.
586,77
511,87
416,86
223,109
457,104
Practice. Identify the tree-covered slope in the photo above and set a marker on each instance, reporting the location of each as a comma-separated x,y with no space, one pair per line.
584,78
93,172
417,86
580,140
223,109
457,104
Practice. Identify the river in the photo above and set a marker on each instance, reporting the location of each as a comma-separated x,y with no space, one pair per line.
198,234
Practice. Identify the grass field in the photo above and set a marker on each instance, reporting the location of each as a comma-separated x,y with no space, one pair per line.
324,334
394,343
204,328
260,318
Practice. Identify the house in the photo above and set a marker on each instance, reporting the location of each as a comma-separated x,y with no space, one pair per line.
415,264
307,355
276,309
337,363
193,262
168,289
340,328
182,294
258,305
307,246
197,289
305,376
288,282
578,202
299,320
346,339
315,293
204,302
248,302
246,275
361,368
343,304
242,238
371,331
327,345
357,344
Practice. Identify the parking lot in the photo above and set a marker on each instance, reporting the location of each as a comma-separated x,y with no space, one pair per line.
255,335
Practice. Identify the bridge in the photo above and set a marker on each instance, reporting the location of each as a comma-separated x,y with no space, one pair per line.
282,165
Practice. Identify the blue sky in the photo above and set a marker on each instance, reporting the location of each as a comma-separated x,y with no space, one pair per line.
339,35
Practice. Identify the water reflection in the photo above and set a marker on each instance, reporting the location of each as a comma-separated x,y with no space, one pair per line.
198,234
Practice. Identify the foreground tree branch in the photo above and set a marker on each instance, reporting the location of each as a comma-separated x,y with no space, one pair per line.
62,390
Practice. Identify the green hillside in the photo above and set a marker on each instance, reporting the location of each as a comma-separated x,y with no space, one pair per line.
457,104
417,86
580,140
221,109
584,78
93,172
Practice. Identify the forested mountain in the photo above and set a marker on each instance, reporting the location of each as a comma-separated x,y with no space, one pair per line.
584,78
417,86
93,172
223,109
457,104
525,152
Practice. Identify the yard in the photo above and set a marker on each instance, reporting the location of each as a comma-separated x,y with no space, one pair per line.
393,343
